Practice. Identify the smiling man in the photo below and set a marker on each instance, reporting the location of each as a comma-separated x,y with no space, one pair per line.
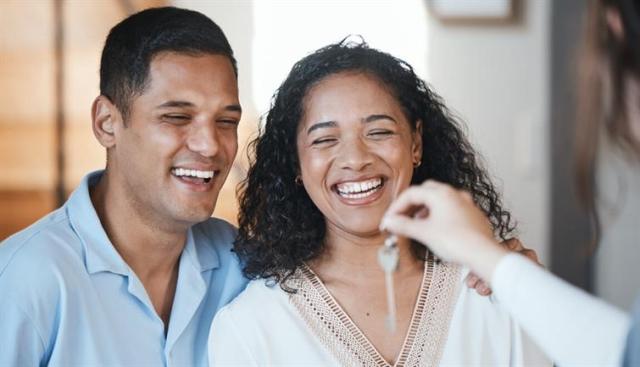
131,270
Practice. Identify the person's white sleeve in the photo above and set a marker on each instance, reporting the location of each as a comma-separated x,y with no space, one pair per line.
226,345
571,326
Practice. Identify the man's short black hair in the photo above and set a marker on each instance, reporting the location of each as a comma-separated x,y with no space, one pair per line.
132,44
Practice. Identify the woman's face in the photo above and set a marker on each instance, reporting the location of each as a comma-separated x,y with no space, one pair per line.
356,150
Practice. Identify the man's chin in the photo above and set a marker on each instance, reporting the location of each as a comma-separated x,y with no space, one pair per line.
195,206
195,214
201,215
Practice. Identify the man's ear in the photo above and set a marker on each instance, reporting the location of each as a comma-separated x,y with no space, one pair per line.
105,116
416,147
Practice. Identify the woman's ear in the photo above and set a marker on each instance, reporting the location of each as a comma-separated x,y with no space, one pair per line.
614,22
105,116
416,147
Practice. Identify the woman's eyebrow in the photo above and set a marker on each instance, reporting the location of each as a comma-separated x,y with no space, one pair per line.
376,117
320,125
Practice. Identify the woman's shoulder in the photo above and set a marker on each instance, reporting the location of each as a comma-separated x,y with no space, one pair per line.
259,293
257,307
241,327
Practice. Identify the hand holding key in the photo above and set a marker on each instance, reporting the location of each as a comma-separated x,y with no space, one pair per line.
455,229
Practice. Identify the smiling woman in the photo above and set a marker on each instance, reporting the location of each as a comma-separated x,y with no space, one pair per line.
354,164
280,224
348,130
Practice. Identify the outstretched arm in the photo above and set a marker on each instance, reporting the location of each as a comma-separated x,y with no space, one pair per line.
571,326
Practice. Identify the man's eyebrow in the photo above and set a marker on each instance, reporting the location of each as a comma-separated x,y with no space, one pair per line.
178,104
372,118
175,104
234,108
320,125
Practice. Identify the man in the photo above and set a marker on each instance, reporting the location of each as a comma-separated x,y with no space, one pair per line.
131,269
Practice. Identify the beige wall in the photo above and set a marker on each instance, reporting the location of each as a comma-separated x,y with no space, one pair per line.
27,115
496,78
26,96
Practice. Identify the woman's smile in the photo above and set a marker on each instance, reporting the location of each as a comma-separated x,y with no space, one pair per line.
360,192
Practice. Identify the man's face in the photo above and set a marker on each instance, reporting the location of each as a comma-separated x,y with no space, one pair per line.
180,140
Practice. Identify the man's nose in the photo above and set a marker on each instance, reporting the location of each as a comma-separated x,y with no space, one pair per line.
204,140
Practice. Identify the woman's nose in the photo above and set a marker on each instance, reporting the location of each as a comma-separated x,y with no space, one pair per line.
355,155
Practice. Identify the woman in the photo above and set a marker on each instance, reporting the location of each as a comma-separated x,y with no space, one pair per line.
349,129
572,327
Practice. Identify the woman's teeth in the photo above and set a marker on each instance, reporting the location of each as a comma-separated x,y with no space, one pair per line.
359,190
193,173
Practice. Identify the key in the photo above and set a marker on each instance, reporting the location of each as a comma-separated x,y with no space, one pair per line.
388,260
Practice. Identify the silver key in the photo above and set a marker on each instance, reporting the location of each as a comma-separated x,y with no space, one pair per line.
388,260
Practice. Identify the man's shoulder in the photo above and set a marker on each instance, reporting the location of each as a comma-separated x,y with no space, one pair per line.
36,262
44,243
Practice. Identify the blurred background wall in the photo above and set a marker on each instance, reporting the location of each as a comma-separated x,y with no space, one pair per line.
510,78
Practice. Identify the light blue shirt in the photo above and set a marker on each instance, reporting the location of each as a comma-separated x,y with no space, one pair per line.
67,298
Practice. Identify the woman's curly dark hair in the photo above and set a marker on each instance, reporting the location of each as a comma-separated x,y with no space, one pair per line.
280,227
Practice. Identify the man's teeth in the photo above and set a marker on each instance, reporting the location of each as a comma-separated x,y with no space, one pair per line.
357,190
183,172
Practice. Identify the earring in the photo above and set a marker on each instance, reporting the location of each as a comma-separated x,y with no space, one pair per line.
298,180
417,163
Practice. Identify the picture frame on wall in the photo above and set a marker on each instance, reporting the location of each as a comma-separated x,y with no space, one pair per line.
474,11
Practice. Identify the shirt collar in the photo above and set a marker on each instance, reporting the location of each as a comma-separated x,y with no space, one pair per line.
100,255
201,248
